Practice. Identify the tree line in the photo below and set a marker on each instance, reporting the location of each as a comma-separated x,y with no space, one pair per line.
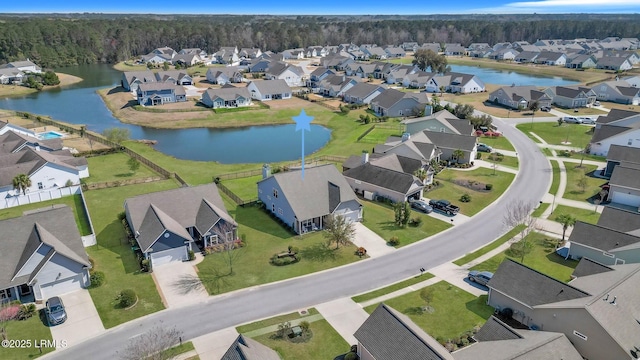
57,41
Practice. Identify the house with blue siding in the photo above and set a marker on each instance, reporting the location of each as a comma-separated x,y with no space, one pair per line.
305,204
226,97
160,93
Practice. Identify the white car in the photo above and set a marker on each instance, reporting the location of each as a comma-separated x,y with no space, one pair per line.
587,120
572,120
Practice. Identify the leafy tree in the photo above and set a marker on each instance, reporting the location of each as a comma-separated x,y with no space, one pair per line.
426,295
421,174
50,78
463,111
165,66
426,58
151,344
116,135
583,182
402,213
566,220
435,103
21,183
339,230
482,120
534,106
134,164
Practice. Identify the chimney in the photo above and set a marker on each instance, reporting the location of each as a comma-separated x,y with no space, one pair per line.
365,157
428,110
266,171
406,136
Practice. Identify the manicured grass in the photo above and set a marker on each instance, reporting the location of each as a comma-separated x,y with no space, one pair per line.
555,181
114,167
179,349
455,310
15,90
114,257
242,329
581,111
579,156
497,142
510,161
493,245
246,188
380,135
577,135
391,288
325,343
74,202
32,329
380,219
574,174
542,258
547,152
266,237
540,209
479,199
588,216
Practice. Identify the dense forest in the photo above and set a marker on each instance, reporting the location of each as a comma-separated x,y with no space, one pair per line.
61,39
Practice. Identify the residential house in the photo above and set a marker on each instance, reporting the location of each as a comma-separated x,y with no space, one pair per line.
175,77
374,52
25,66
624,186
526,57
293,54
11,76
435,47
419,149
362,93
305,204
395,103
165,51
409,46
317,75
258,65
226,97
442,121
249,53
265,90
571,97
454,50
614,63
166,224
519,97
245,348
186,60
504,54
6,127
625,156
336,61
227,56
619,127
335,85
551,58
417,80
132,79
455,83
633,81
193,51
292,74
14,141
394,52
224,75
581,61
47,171
446,143
619,91
158,94
154,58
396,74
597,312
42,256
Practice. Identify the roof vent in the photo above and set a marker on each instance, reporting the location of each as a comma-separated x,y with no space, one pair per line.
607,298
614,301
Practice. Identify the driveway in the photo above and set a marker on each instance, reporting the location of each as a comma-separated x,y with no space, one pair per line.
366,238
83,321
191,90
172,295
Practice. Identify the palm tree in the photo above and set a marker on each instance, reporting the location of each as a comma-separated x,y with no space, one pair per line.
457,155
533,107
21,183
339,230
566,220
421,174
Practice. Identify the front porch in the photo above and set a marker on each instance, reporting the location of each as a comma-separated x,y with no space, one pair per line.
23,293
309,225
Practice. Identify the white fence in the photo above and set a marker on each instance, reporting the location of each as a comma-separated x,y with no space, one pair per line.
39,196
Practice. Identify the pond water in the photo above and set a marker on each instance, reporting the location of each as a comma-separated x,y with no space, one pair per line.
507,77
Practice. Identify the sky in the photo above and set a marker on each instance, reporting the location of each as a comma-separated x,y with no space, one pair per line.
323,7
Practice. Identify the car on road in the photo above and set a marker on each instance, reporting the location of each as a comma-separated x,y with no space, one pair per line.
56,313
572,120
587,120
484,147
444,206
421,205
480,277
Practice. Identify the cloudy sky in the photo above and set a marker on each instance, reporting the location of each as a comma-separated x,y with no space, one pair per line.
319,7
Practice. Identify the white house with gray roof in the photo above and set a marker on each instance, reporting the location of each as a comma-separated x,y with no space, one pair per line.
166,224
131,80
442,121
224,75
26,66
619,127
395,103
519,97
305,204
445,143
626,156
42,255
362,93
619,91
226,97
266,90
571,97
455,83
624,186
280,70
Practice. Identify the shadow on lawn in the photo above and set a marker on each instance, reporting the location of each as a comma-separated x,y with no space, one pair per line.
318,252
113,239
479,306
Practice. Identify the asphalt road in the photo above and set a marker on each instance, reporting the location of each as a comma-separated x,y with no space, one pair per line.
246,305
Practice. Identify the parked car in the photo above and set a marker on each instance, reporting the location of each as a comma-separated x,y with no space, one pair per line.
480,277
484,147
421,205
597,103
587,120
572,120
55,311
444,206
545,108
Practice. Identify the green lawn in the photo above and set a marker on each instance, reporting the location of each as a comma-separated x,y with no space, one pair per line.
588,216
391,288
380,219
542,258
555,181
540,209
497,142
578,135
265,237
114,257
243,329
510,161
114,167
574,174
380,135
495,244
32,329
547,152
179,349
246,188
479,199
325,344
74,202
455,310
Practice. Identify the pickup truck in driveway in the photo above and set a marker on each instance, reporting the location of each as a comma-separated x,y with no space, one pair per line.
444,206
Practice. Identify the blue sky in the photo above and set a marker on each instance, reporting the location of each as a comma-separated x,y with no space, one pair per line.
319,7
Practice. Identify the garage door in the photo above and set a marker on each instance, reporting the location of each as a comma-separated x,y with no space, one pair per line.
626,199
167,256
351,216
61,287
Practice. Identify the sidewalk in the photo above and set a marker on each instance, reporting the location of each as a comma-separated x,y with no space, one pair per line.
212,346
488,165
345,316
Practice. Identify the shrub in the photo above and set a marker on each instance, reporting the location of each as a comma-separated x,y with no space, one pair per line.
394,241
192,255
26,311
9,313
126,298
478,156
465,198
415,221
304,325
488,186
285,260
293,249
97,279
145,265
351,356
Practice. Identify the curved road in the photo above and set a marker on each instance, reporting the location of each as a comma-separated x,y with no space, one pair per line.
222,311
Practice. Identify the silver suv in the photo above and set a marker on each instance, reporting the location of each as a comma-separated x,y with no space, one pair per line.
480,277
56,313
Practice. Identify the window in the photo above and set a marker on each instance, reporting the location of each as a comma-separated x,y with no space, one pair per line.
581,336
40,186
25,289
5,294
275,193
608,255
630,142
273,207
280,211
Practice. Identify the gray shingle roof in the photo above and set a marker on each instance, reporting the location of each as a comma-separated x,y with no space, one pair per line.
12,141
624,153
388,98
588,267
175,74
245,348
277,86
616,114
28,160
602,238
530,286
21,236
386,178
144,76
362,90
177,89
398,163
625,176
607,131
451,141
228,93
619,219
494,330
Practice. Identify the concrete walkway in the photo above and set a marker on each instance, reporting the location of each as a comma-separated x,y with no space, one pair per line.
345,316
489,165
577,161
372,242
274,328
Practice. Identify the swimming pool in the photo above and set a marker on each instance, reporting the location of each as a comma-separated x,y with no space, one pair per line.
49,135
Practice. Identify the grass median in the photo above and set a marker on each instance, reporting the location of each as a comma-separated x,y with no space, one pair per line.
581,184
391,288
574,135
491,246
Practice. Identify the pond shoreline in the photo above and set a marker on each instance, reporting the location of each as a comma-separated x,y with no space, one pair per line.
19,90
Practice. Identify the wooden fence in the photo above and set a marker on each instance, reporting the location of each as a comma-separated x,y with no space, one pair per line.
238,200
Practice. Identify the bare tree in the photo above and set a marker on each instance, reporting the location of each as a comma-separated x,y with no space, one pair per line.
339,230
152,344
519,213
